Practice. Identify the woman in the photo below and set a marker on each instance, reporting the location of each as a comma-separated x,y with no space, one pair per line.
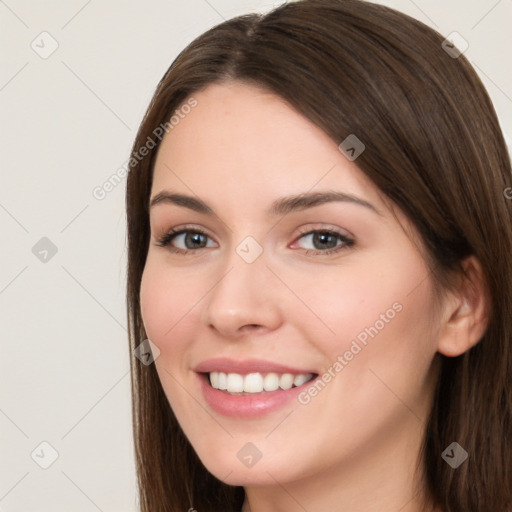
319,251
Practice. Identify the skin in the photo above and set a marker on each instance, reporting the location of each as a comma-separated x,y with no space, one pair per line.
355,445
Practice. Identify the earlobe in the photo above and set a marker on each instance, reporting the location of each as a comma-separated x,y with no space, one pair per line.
465,317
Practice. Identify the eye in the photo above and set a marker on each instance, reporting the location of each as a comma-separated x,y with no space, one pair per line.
324,241
185,240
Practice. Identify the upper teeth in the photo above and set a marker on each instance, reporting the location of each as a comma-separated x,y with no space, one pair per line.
256,382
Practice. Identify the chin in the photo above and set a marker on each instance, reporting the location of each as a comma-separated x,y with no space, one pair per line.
246,476
241,465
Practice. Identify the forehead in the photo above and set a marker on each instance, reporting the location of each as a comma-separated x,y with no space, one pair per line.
242,142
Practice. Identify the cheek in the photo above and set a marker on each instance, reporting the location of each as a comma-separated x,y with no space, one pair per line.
155,302
382,333
167,298
385,337
372,301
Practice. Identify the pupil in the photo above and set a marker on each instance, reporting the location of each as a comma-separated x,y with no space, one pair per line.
194,238
323,238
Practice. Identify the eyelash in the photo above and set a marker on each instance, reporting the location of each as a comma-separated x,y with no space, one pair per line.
167,238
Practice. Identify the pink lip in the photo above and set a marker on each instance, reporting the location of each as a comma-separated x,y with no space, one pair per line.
226,365
246,406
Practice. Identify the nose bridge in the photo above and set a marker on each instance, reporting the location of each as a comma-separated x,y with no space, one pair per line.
244,267
243,294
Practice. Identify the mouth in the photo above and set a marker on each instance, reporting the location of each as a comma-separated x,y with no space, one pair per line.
256,382
250,388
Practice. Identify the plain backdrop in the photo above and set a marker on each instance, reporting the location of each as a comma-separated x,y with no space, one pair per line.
68,120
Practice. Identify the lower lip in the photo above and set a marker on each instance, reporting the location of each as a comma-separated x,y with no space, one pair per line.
247,406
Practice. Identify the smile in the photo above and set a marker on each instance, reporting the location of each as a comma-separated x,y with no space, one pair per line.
238,384
250,388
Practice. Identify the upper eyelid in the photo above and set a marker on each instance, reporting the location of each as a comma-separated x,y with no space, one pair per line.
337,230
303,231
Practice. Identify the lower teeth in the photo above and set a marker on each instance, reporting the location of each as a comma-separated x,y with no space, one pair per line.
245,393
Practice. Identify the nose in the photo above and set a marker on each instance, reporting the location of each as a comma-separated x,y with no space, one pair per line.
244,300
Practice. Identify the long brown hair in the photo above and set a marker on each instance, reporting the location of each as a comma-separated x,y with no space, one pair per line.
433,147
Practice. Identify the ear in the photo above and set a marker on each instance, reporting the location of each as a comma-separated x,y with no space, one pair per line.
465,314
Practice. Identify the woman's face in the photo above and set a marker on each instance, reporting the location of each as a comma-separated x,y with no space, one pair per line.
294,268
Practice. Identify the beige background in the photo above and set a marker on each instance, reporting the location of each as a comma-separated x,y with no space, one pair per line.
68,121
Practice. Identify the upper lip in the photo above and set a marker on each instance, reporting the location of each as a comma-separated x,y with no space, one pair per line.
246,366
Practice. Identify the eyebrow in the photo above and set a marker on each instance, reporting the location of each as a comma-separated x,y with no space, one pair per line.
281,206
